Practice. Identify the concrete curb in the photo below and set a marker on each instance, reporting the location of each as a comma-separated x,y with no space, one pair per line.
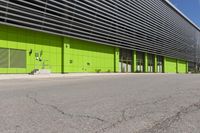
27,76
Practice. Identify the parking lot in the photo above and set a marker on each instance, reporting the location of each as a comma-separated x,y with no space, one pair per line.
132,103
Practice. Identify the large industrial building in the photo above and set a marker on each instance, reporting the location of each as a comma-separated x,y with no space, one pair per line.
66,36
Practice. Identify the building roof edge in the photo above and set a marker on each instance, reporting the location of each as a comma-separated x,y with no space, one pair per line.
182,14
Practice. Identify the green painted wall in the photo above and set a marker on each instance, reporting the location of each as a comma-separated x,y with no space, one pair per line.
83,56
70,55
181,66
17,38
169,65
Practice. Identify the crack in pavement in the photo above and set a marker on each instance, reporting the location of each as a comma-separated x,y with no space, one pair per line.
166,123
64,113
162,99
160,125
124,118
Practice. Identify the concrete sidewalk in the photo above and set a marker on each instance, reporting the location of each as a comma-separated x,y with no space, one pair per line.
28,76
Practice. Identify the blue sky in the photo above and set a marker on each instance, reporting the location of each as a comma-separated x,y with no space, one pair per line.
191,8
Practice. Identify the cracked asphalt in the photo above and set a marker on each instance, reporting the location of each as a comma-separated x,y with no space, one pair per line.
132,103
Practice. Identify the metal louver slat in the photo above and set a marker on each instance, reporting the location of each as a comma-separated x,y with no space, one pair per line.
147,26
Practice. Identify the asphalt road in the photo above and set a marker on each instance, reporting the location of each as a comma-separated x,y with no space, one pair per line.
154,103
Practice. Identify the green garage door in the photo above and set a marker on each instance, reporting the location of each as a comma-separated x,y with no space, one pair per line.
170,65
181,66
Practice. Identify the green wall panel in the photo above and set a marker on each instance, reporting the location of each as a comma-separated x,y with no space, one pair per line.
170,65
17,38
181,66
83,56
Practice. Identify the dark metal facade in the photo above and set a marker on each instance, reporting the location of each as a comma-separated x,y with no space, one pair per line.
151,26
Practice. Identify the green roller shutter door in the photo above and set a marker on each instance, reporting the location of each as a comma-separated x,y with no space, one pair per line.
4,58
17,58
12,58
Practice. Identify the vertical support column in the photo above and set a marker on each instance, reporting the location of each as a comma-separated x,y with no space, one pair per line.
155,64
62,56
145,62
186,66
177,65
164,64
134,61
9,58
116,60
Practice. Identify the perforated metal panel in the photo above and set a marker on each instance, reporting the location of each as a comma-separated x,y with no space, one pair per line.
17,58
3,58
151,26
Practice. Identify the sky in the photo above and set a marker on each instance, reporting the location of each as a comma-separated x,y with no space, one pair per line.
191,8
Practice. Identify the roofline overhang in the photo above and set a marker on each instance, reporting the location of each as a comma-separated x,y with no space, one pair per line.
182,14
